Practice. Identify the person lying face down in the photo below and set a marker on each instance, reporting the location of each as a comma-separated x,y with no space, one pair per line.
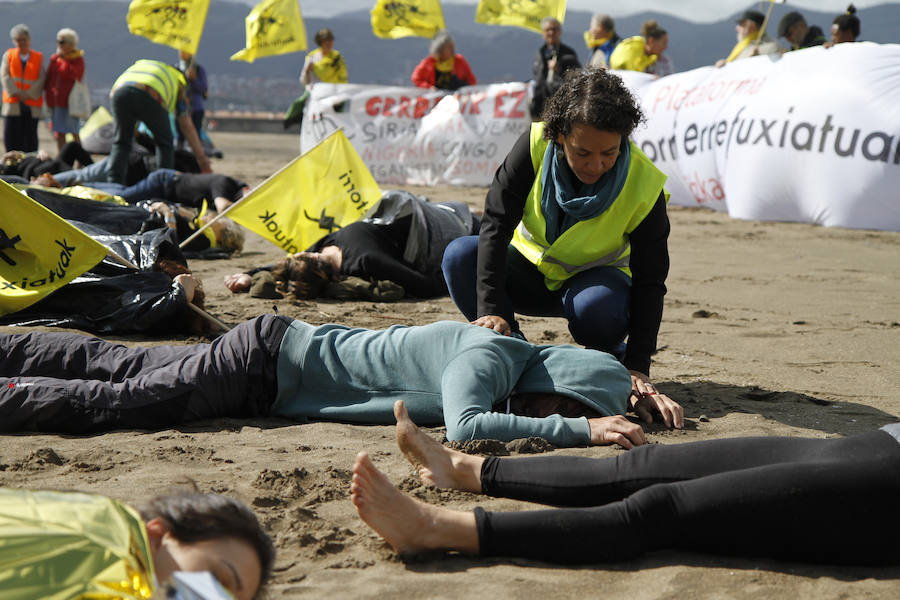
102,545
447,373
799,499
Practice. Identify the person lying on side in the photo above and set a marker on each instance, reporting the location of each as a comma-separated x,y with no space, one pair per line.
816,500
470,378
102,546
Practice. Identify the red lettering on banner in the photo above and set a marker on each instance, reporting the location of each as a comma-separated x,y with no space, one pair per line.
403,107
515,113
388,105
372,105
476,100
498,105
706,190
421,107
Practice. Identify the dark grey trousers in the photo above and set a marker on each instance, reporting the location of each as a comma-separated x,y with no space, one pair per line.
69,383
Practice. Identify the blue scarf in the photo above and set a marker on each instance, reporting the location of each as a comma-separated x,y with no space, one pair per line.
565,200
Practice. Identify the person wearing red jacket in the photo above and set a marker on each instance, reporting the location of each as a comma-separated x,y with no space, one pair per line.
443,68
66,66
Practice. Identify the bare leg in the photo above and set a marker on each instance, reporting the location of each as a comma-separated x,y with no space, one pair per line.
408,525
436,465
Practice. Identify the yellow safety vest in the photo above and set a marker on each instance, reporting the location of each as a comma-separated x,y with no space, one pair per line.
166,80
23,80
63,545
602,241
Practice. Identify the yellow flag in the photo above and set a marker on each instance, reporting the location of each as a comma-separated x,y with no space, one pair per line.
404,18
175,23
314,195
39,252
519,13
273,27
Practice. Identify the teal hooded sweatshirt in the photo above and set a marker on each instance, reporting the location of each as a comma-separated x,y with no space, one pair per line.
447,373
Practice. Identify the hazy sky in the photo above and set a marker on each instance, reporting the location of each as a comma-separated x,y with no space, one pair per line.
693,10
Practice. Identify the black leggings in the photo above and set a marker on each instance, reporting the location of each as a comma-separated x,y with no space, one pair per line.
63,382
817,500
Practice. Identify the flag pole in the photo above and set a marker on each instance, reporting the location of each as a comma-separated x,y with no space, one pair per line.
251,192
222,326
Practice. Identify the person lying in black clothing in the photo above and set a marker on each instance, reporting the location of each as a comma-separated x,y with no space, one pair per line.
815,500
20,167
403,242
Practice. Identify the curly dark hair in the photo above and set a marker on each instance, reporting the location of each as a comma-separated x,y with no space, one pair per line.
303,277
592,97
195,517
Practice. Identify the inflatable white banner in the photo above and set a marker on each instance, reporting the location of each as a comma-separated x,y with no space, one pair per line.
812,137
414,136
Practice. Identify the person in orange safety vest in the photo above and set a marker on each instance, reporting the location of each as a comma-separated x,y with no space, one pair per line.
22,73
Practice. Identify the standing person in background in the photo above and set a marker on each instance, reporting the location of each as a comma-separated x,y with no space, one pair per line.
794,29
550,65
845,27
324,64
149,91
663,65
22,74
640,52
443,68
601,39
751,40
197,89
65,67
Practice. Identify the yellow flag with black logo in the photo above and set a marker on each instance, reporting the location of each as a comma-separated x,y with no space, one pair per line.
175,23
519,13
39,251
404,18
273,27
314,195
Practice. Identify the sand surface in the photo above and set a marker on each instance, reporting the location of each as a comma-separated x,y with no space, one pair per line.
769,328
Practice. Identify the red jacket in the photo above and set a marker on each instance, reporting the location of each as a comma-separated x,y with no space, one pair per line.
61,76
424,74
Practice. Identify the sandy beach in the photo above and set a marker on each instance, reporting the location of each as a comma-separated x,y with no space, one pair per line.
769,329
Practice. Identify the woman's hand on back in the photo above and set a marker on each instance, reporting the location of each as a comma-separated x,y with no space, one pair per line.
495,322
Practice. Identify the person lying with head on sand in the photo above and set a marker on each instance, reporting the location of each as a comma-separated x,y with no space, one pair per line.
101,546
817,500
469,378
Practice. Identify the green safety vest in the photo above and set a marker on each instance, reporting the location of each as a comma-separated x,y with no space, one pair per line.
164,79
598,242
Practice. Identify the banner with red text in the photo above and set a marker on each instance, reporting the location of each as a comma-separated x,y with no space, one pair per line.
413,136
812,137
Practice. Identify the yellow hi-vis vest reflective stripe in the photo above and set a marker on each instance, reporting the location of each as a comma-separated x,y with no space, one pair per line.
598,242
165,79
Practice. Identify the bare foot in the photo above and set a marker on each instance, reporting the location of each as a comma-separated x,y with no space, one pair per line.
436,465
408,525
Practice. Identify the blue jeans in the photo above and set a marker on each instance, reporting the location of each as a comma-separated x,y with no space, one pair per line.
130,105
93,172
594,302
157,185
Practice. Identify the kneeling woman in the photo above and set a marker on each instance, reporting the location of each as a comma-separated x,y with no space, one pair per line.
574,226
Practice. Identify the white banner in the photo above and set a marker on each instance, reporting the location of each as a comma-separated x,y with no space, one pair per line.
812,137
413,136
